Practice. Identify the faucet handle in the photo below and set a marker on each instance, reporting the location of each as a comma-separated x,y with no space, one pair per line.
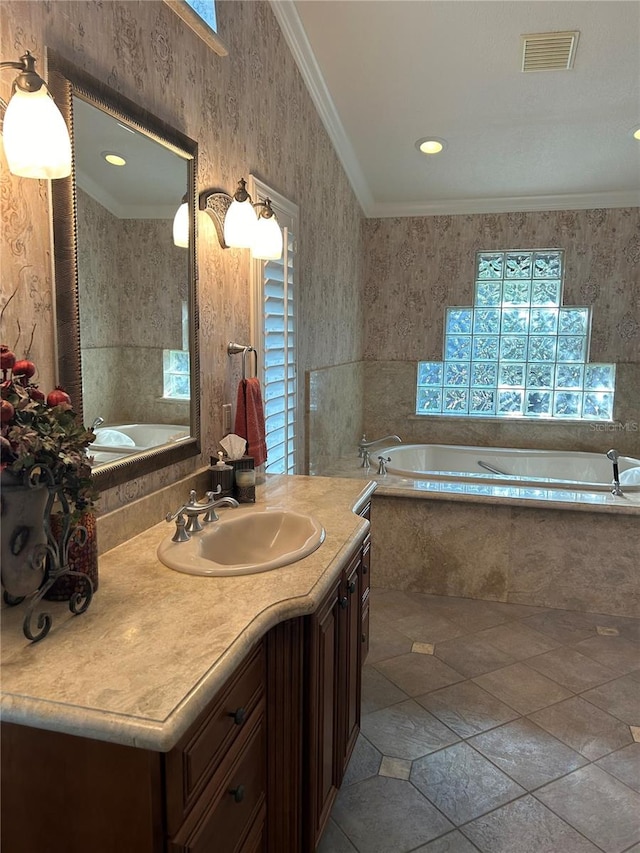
181,534
382,466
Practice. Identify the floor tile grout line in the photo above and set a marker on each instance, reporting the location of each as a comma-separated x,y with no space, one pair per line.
544,805
565,820
519,715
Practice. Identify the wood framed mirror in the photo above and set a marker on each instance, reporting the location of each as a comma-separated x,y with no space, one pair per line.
126,294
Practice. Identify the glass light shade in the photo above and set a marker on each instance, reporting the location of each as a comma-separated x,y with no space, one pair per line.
181,226
36,139
267,244
240,224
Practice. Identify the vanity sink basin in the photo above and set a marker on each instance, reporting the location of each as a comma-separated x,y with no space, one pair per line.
244,542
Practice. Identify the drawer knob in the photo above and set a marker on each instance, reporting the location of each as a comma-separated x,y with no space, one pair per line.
344,602
237,793
364,570
352,587
239,716
364,638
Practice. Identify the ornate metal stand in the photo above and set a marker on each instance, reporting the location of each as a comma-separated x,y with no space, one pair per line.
56,551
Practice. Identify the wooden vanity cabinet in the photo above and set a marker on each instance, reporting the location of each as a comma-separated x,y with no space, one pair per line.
333,644
67,794
257,772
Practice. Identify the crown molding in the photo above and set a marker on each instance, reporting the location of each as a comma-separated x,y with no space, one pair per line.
296,38
512,204
293,31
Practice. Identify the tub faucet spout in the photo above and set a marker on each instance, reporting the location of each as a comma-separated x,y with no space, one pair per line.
97,422
613,455
364,446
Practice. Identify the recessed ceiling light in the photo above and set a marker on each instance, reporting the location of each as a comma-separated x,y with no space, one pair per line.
636,133
113,158
431,145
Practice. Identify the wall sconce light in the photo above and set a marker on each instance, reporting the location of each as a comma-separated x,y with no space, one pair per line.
36,139
242,223
267,243
181,225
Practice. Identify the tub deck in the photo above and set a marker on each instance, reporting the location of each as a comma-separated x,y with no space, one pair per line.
545,547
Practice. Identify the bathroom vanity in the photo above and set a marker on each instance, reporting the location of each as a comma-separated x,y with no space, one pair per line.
190,713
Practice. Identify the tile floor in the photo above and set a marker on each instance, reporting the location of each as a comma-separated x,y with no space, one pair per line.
493,727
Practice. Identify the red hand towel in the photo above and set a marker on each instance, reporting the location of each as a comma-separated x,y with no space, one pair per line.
250,419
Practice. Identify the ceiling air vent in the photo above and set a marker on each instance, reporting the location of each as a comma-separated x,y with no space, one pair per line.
549,51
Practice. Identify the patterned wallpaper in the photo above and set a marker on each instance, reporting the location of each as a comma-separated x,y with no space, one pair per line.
416,267
249,112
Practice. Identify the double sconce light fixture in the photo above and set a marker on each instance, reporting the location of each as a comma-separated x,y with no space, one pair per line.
242,223
36,139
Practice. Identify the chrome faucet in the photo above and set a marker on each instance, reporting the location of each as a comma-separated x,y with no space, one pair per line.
363,447
613,455
98,422
187,518
382,464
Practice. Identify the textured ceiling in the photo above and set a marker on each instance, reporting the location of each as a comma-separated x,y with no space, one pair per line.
384,73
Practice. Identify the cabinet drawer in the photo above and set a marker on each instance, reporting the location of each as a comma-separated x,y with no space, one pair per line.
230,814
195,759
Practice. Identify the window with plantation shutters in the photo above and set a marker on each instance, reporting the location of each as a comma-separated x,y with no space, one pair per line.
274,291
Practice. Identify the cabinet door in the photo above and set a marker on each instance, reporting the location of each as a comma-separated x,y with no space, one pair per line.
321,710
349,653
365,589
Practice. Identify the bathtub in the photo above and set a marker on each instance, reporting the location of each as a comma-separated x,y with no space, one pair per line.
125,439
527,468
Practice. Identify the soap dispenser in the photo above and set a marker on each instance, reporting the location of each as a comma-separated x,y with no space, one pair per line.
221,475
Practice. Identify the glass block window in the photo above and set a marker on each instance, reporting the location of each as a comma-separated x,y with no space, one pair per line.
176,369
517,352
176,374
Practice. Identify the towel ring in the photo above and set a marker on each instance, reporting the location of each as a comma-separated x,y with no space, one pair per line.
234,349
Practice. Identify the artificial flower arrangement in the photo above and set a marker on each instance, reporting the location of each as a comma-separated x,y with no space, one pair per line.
39,430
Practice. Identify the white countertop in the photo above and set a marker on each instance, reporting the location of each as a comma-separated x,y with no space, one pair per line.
156,645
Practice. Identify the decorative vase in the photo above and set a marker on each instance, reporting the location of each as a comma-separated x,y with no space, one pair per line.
82,558
23,537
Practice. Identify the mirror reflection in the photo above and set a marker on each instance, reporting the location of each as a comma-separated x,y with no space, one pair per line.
133,286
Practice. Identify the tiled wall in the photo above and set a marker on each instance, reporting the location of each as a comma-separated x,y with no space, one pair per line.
416,267
249,112
520,554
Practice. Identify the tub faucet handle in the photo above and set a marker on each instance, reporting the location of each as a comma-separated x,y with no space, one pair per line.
382,464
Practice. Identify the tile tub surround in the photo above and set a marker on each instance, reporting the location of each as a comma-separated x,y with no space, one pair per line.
415,267
156,645
550,548
491,775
